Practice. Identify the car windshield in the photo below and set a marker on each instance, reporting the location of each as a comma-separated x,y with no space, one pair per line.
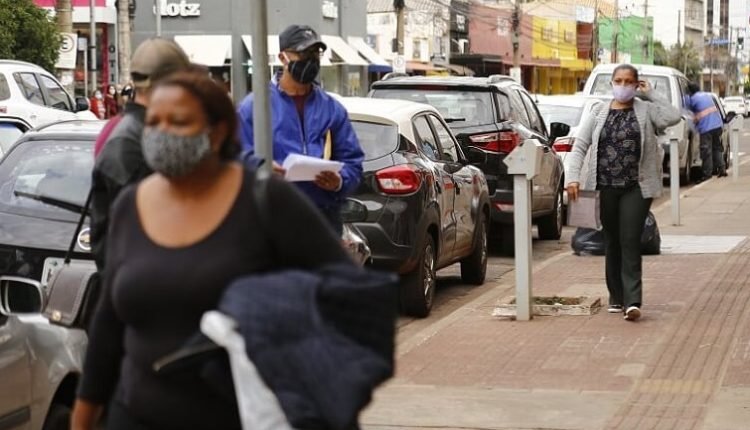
9,133
375,139
602,85
459,107
570,115
58,170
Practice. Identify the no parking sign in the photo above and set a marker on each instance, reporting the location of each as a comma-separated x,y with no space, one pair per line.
67,59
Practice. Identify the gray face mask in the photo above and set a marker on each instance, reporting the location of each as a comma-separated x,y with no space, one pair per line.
174,156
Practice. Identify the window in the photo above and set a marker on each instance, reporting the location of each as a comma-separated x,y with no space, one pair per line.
519,111
29,87
570,115
9,133
4,88
58,98
426,140
448,145
603,85
375,139
463,108
503,107
535,119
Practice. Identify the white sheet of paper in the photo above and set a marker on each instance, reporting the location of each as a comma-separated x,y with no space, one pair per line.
304,168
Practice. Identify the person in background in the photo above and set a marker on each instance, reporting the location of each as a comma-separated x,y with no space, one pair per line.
120,161
307,120
626,167
110,102
199,204
710,126
96,105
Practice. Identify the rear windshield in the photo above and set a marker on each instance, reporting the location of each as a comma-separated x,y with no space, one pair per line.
459,107
375,139
4,88
565,114
59,170
660,84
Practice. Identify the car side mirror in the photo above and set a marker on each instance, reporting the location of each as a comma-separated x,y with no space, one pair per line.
558,129
82,104
353,211
730,116
476,156
20,296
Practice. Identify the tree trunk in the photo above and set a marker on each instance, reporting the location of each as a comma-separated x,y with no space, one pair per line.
123,25
64,17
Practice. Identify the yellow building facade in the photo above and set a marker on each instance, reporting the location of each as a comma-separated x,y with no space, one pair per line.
556,39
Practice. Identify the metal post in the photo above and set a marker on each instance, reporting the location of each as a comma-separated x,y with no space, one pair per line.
674,179
157,12
262,133
734,143
522,231
239,52
86,73
615,31
93,45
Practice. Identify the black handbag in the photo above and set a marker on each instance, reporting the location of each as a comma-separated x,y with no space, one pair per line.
74,288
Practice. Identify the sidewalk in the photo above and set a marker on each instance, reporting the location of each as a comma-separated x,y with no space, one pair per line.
684,365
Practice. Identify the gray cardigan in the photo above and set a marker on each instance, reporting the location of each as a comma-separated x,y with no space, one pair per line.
654,115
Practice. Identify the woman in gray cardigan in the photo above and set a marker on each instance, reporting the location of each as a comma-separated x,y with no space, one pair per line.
624,163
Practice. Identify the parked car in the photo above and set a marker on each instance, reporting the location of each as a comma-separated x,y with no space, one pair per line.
11,129
44,180
31,93
735,104
426,205
672,85
494,115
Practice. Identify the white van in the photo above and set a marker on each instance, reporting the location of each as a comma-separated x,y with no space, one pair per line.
672,85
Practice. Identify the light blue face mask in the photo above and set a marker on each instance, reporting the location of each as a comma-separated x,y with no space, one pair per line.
623,93
172,155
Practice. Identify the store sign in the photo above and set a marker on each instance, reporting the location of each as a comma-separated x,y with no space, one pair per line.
330,10
67,58
181,9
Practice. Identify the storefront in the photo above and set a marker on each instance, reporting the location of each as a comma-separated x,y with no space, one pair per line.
106,40
204,28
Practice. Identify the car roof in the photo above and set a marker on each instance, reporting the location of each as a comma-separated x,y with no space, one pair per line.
562,100
20,65
383,110
66,130
457,81
647,69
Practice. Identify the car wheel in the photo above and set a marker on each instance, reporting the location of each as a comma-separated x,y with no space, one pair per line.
58,418
474,267
418,287
550,226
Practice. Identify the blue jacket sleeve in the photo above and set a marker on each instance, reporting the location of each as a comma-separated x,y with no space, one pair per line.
346,149
245,118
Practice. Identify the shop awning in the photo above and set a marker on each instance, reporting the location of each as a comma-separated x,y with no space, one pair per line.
273,50
378,64
208,50
459,70
343,51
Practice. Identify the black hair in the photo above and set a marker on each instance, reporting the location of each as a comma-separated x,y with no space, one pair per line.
693,88
628,67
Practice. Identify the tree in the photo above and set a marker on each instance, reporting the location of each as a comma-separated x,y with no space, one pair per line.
684,57
28,34
661,56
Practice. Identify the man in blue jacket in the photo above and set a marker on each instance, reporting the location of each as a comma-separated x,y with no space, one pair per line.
710,125
306,120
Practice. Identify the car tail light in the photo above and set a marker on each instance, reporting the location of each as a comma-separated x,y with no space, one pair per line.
564,144
403,179
502,141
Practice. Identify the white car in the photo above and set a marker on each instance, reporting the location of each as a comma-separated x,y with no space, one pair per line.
34,95
735,104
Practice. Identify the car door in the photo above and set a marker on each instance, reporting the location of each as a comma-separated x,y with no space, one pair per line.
56,98
444,184
464,185
15,374
545,184
39,113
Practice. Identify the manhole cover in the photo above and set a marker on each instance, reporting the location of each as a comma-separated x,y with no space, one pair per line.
699,244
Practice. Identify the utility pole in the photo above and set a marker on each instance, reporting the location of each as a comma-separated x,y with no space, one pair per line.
515,72
64,14
123,40
157,13
615,31
93,46
679,26
399,6
595,35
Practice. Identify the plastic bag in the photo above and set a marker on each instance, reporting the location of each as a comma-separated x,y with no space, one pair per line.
588,241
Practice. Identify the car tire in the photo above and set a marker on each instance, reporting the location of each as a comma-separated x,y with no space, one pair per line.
474,267
550,226
418,287
58,418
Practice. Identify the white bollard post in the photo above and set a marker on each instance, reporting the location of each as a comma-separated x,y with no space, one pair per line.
522,223
734,144
674,179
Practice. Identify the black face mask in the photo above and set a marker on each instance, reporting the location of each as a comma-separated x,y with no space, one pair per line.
304,71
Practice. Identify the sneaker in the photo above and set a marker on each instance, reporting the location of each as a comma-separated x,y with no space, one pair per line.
615,309
632,313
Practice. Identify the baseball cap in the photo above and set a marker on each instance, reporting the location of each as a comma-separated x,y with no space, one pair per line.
299,38
154,59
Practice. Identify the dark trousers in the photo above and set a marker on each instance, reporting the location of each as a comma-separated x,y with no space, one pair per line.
119,418
712,153
623,214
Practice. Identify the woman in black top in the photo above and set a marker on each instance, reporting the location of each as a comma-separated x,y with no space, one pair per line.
176,241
